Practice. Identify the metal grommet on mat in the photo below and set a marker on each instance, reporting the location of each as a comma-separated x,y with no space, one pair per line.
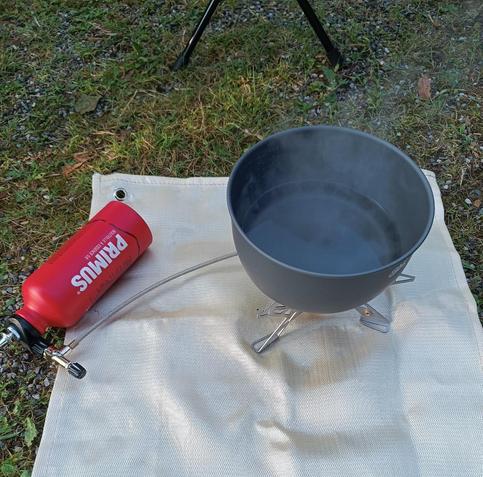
120,194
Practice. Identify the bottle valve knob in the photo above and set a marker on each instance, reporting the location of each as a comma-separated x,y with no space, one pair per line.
57,356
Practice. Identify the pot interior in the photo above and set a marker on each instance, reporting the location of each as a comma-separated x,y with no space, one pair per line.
330,200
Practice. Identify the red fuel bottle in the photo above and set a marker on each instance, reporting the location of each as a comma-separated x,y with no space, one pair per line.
63,289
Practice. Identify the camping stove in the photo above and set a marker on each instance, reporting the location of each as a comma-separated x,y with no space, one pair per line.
369,317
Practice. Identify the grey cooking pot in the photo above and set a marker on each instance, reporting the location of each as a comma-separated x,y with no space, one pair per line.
324,218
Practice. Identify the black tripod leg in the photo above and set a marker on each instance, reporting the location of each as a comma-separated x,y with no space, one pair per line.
333,53
184,58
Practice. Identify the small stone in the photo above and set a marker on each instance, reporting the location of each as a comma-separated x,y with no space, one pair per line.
46,382
36,396
446,187
468,201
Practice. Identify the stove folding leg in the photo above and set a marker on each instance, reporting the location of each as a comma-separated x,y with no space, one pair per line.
371,318
184,57
273,309
260,345
404,278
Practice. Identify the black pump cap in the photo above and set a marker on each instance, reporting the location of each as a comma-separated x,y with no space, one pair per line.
29,336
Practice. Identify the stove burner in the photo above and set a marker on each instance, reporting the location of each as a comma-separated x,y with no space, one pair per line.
369,317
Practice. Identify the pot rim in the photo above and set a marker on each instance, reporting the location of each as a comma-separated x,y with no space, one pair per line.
388,266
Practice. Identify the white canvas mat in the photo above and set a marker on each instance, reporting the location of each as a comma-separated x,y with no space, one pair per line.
173,388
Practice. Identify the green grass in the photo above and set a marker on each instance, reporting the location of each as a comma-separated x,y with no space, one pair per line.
244,82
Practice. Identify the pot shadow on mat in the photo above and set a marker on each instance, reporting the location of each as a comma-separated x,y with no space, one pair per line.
320,349
305,357
329,443
329,366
